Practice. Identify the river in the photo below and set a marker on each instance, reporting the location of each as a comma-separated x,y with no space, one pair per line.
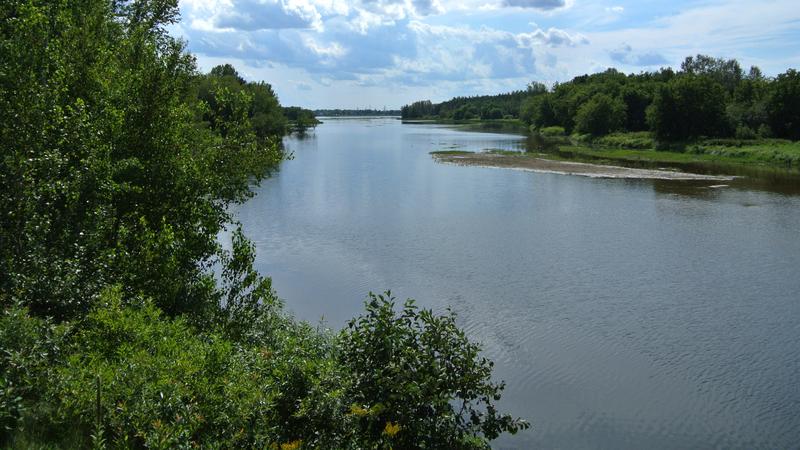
621,313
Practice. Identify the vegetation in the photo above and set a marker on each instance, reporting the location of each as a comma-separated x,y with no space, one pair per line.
708,97
120,163
486,107
300,119
711,106
264,111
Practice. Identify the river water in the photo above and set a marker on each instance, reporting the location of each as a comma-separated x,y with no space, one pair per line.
621,313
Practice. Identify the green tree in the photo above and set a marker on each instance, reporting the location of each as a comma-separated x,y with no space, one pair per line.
783,105
637,98
538,111
105,166
687,107
600,115
726,72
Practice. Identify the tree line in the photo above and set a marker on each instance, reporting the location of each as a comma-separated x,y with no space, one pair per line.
707,97
486,107
125,322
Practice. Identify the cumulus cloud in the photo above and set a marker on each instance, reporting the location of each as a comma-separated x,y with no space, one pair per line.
459,53
553,37
536,4
269,14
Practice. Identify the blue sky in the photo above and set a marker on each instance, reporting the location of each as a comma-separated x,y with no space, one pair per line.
386,53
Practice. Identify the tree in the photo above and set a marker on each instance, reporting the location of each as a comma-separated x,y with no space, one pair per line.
538,111
726,72
107,175
688,106
264,111
491,113
783,106
225,71
600,115
637,98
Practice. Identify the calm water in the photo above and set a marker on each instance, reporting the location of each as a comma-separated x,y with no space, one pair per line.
622,314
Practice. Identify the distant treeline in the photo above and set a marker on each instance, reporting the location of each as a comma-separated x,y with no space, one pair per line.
356,112
707,97
464,108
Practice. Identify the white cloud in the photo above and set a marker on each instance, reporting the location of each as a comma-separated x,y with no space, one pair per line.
415,44
536,4
553,37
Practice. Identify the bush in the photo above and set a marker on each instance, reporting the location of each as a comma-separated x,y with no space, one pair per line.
745,132
29,347
764,131
163,384
637,141
552,131
418,372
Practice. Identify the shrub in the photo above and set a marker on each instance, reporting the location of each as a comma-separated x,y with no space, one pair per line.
29,346
163,384
418,371
745,132
553,131
638,141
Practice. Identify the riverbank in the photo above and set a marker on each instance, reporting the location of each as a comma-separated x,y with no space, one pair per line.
774,152
540,163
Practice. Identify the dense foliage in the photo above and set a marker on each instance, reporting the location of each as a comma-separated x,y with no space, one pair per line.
487,107
124,322
300,119
707,97
264,111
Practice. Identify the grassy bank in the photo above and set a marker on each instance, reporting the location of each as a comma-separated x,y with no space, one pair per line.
640,147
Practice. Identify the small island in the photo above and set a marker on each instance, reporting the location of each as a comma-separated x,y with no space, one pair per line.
540,163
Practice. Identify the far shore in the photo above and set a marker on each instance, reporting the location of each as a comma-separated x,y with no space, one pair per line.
535,164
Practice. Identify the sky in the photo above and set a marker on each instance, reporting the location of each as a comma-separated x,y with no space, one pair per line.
387,53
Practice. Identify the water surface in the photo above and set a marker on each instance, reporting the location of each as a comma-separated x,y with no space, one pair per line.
621,313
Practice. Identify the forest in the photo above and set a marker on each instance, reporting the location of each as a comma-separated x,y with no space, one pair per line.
707,98
486,107
126,321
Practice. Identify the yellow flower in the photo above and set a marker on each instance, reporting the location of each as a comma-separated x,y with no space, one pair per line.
357,410
294,445
391,428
